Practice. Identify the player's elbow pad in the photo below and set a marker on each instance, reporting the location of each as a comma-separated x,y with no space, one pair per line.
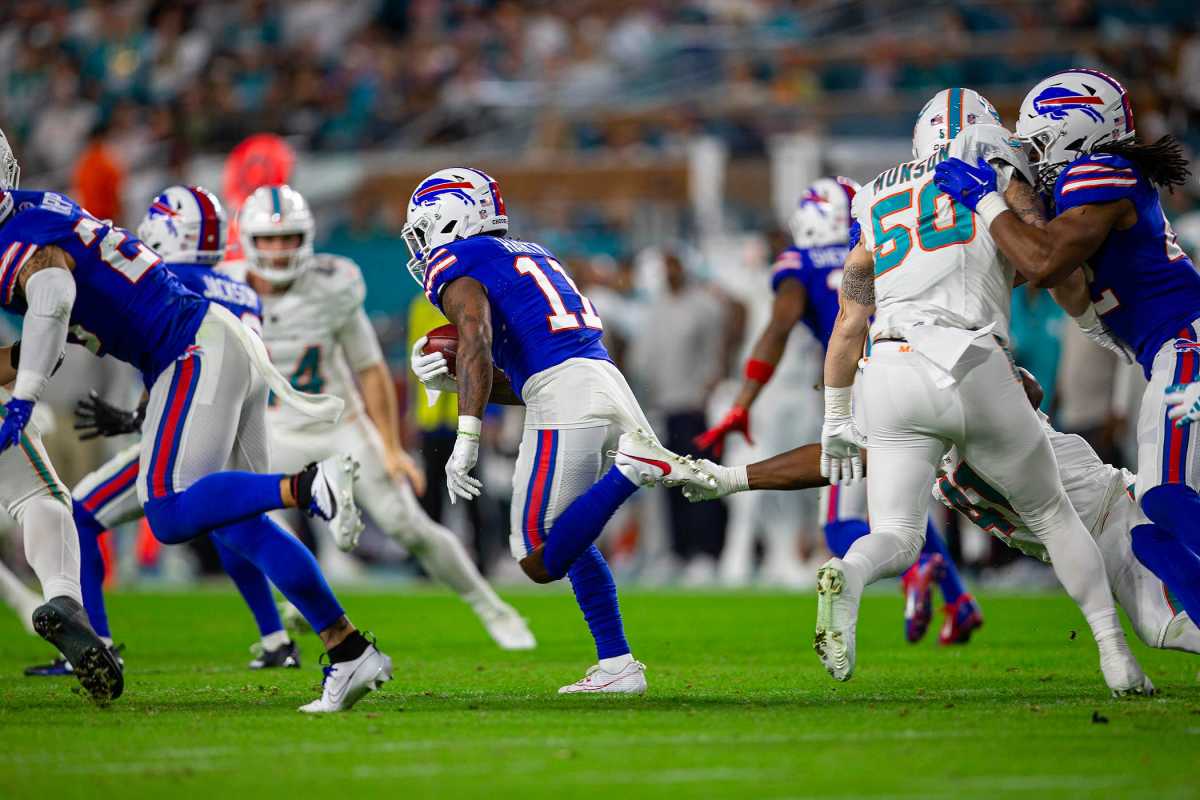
50,294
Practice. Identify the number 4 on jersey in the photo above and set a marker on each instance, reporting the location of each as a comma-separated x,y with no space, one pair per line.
559,318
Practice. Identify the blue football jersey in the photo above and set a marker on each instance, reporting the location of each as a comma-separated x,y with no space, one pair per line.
1142,283
819,269
127,304
235,295
539,318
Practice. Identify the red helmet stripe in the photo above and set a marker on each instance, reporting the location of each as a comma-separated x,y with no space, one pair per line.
210,224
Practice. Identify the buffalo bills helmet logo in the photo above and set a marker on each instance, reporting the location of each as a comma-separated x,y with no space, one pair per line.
161,207
429,191
813,197
1055,101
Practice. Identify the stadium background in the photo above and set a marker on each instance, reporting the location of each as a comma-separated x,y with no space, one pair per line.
632,138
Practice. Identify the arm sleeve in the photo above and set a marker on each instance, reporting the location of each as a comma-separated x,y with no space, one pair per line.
1099,178
50,295
357,337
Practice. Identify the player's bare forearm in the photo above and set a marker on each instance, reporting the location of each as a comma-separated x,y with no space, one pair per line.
1072,294
465,303
47,257
8,373
379,396
799,468
785,313
856,304
1048,254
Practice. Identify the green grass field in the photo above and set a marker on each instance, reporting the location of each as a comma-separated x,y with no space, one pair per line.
738,707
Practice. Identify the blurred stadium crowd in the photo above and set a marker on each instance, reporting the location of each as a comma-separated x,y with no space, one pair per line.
111,100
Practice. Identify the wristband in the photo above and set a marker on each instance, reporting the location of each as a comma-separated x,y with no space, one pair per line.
469,426
837,401
760,371
990,206
1088,319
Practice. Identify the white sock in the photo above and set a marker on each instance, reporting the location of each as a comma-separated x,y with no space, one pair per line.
108,640
616,663
630,472
445,559
275,640
878,555
52,547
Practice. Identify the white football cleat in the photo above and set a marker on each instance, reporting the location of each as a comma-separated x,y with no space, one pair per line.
837,621
655,464
347,682
629,680
507,628
1121,670
333,499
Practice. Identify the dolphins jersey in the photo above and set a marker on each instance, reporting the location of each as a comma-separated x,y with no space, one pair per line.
127,304
318,335
934,263
539,318
1091,488
1143,285
819,270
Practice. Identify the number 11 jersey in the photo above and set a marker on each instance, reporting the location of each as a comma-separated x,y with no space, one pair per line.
127,304
539,318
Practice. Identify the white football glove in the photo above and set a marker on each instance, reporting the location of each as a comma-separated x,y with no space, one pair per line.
1094,328
728,480
1183,403
432,371
459,482
841,459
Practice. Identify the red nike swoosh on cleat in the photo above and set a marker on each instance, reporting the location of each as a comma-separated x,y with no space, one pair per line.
654,462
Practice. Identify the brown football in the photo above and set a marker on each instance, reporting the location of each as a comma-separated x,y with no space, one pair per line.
443,339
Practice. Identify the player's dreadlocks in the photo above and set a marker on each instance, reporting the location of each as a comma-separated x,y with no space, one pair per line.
1163,163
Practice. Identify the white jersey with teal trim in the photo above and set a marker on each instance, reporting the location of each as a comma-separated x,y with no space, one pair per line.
934,262
319,336
1093,488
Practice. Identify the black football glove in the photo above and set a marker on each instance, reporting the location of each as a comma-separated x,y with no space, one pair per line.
96,417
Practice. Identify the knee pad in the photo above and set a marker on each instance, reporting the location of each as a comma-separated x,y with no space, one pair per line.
1171,505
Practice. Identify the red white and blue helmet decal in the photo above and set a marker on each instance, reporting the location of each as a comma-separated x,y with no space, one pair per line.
1056,101
494,188
210,220
429,191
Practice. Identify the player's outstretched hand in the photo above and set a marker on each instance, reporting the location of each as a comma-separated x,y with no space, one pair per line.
713,439
841,456
721,481
432,370
95,417
16,417
965,183
401,466
459,482
1183,403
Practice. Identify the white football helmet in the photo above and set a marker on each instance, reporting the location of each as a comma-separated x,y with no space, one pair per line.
823,214
947,113
1070,114
185,225
276,211
449,205
10,169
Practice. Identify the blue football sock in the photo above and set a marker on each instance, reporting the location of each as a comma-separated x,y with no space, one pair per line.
1175,507
596,593
91,568
212,502
841,534
288,564
580,524
253,586
951,583
1176,565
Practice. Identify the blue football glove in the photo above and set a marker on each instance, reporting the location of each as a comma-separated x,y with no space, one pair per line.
17,413
966,184
855,234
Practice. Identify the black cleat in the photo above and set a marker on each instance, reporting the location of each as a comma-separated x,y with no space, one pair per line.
63,623
287,655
